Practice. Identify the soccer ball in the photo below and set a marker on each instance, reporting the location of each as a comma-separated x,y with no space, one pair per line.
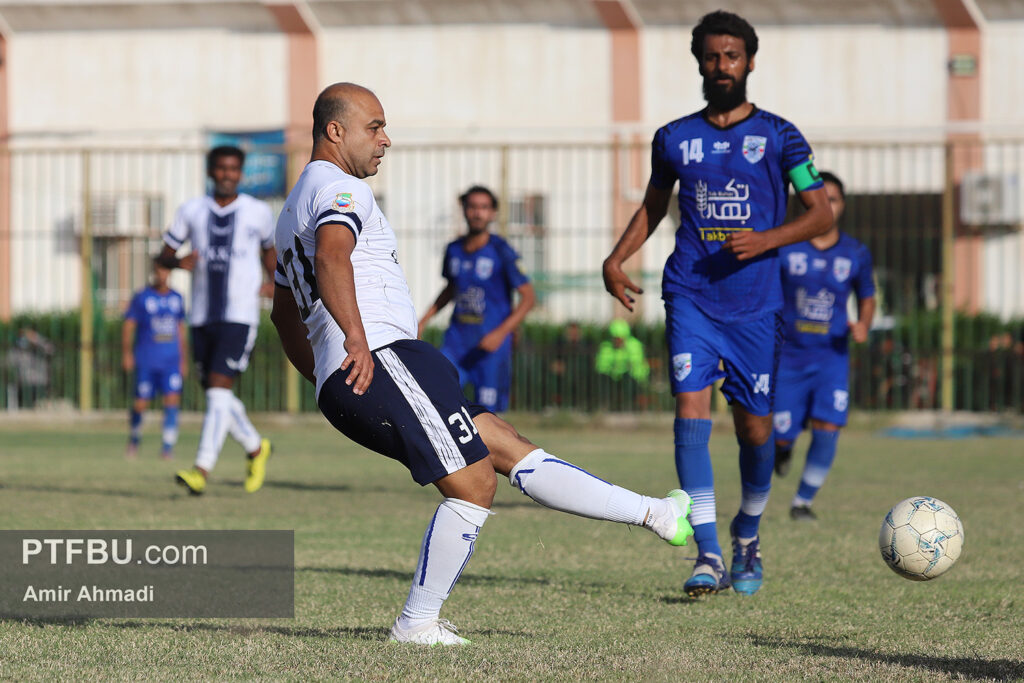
921,538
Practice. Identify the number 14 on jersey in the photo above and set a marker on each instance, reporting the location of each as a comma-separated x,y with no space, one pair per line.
692,150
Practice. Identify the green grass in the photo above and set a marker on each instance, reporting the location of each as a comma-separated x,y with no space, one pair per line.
547,596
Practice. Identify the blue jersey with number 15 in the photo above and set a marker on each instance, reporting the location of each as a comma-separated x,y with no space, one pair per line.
730,179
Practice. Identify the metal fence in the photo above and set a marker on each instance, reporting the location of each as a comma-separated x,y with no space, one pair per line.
942,220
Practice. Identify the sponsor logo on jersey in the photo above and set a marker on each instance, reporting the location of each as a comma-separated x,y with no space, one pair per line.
720,147
819,264
343,201
682,364
727,204
753,147
783,421
718,234
818,306
484,267
841,268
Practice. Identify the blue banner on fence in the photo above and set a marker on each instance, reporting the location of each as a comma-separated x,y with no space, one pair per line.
264,174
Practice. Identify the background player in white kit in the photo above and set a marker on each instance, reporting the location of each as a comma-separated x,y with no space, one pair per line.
345,316
232,238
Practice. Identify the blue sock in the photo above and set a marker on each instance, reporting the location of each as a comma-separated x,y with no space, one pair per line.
135,426
819,461
693,465
756,464
170,435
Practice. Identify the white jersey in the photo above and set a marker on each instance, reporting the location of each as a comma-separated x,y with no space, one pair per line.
327,198
227,242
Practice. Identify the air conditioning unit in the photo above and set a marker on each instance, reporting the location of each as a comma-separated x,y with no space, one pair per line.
124,215
990,199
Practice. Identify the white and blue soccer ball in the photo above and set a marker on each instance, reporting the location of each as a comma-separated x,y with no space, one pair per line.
921,538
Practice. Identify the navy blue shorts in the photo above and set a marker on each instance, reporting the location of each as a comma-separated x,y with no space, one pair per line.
812,385
413,411
223,348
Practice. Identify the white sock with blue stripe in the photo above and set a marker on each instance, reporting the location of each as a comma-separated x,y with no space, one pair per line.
216,423
447,546
560,485
241,428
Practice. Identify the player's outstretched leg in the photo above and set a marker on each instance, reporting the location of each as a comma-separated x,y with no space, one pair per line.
820,455
693,466
746,572
558,484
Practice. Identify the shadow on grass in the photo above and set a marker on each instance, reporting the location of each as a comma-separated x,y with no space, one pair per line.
364,633
116,493
305,486
464,580
956,667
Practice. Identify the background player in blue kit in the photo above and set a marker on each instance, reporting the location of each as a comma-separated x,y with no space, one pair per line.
153,347
482,276
721,286
814,367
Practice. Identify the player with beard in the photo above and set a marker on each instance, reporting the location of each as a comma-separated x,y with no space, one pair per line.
721,285
483,274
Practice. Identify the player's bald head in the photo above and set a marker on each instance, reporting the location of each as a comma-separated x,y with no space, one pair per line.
334,103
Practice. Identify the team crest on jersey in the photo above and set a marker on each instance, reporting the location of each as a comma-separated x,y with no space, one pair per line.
753,147
841,268
783,421
682,364
343,201
484,268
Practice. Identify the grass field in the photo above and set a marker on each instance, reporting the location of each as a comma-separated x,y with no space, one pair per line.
547,596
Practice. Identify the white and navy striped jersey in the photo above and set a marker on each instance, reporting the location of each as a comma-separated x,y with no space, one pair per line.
227,242
327,198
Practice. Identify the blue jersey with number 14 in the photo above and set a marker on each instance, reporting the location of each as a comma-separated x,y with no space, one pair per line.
730,179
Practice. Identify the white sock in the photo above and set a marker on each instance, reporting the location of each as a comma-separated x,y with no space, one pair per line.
560,485
216,422
241,428
445,552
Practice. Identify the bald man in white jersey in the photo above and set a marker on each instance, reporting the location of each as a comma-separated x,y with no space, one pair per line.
232,239
345,316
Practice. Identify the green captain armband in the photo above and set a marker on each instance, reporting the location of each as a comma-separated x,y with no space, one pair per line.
804,175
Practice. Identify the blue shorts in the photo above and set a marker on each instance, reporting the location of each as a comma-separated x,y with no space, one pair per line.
414,411
748,352
223,348
812,385
163,379
489,373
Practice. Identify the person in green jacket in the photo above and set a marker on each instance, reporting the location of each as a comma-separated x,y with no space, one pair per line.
622,355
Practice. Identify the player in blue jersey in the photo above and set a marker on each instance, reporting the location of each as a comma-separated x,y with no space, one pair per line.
482,274
734,163
813,377
153,347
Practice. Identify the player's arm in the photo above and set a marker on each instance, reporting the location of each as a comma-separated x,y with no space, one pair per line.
816,220
292,332
168,256
527,298
269,259
643,223
336,281
127,341
442,300
865,314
